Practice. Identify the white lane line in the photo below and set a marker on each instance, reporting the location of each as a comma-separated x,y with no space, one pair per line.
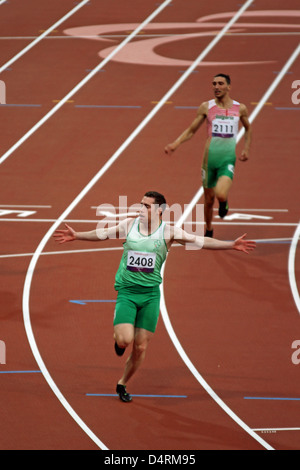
83,82
34,260
291,267
105,221
2,1
117,248
199,377
42,36
67,252
270,430
180,222
275,83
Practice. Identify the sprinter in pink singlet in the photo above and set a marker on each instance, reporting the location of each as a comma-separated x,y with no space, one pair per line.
222,115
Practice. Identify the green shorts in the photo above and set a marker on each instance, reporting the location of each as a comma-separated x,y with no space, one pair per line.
138,306
221,162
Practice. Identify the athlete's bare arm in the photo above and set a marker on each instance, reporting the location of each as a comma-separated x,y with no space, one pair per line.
190,131
248,133
176,234
100,234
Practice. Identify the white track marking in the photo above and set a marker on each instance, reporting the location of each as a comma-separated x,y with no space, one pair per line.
291,267
275,429
83,82
105,221
180,222
2,1
117,248
275,83
199,377
35,258
42,36
67,252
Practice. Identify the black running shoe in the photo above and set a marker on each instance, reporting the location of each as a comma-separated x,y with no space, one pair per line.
124,396
209,233
119,351
223,209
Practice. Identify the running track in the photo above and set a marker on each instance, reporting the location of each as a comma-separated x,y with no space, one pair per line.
235,317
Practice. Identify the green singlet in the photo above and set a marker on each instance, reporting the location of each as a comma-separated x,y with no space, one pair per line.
139,277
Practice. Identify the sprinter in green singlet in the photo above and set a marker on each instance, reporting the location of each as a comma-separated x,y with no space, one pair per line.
148,240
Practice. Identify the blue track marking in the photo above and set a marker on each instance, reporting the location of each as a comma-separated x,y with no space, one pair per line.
21,105
271,398
84,302
20,372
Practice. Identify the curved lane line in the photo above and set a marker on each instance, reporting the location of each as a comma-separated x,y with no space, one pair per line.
199,377
291,267
35,258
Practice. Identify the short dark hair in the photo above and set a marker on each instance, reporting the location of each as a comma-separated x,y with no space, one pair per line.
159,199
227,77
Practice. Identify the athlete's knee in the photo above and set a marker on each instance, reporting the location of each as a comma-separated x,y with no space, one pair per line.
140,348
123,337
222,196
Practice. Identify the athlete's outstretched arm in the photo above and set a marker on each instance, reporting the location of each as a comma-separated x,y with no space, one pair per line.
190,131
70,235
240,244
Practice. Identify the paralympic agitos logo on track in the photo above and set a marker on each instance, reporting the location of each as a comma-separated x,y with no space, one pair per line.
155,36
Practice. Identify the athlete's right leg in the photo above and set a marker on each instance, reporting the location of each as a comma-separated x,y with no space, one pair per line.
124,334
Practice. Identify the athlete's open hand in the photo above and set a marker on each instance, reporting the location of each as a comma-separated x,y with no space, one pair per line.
241,244
63,236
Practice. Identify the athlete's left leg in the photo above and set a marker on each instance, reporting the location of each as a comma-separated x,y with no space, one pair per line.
222,189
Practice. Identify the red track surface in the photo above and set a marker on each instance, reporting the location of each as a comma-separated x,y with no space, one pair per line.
234,315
